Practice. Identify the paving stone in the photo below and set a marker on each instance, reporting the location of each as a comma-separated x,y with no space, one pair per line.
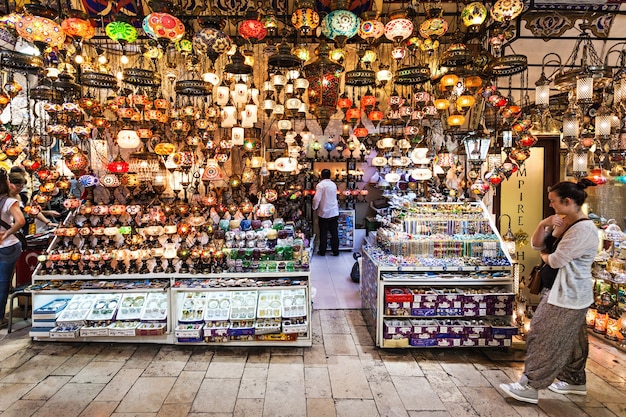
317,383
248,407
70,400
146,395
284,398
23,408
356,408
347,378
320,407
185,387
119,385
97,372
47,388
216,395
99,409
340,344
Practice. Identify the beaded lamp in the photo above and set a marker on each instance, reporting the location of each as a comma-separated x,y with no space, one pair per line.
211,41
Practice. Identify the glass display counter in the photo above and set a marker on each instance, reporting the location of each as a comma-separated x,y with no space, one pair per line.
446,282
272,309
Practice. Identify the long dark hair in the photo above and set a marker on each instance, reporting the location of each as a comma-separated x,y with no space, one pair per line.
573,190
4,182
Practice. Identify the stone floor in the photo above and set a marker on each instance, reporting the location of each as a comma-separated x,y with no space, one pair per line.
343,374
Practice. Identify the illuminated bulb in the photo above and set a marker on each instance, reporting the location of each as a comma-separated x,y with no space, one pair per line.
102,59
124,60
79,59
119,75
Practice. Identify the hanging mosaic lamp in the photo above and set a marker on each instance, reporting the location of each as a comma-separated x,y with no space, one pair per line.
118,166
184,46
399,27
506,10
211,41
40,29
474,15
435,26
252,29
323,76
121,32
305,18
163,26
78,26
340,25
371,28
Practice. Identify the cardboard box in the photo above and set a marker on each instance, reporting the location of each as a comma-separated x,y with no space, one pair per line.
94,331
425,327
417,342
151,329
189,331
396,342
399,295
395,308
451,329
448,342
397,328
419,297
65,332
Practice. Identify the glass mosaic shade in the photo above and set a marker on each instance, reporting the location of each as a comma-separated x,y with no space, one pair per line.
506,10
163,26
121,32
252,29
305,19
474,14
434,27
371,29
340,23
398,29
40,29
78,28
211,41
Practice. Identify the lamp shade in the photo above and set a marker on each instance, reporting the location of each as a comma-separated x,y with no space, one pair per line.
340,23
163,26
542,95
78,28
434,27
252,29
211,41
506,10
110,180
476,148
40,29
398,29
88,180
118,166
584,88
305,19
371,29
473,15
128,139
121,32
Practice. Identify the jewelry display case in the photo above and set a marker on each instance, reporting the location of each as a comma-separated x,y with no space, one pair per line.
437,275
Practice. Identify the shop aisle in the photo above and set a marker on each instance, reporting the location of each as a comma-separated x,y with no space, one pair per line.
341,375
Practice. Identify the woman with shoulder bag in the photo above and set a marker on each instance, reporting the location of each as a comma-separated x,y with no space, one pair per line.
557,345
10,246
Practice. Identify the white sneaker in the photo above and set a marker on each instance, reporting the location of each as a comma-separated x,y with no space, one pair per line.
521,392
562,387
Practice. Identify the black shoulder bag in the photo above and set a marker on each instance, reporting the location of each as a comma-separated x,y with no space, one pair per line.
543,275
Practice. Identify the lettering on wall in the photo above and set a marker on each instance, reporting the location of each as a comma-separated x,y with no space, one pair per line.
522,199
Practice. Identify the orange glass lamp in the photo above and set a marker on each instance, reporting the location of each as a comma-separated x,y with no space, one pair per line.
368,101
375,115
441,104
456,120
448,81
465,102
